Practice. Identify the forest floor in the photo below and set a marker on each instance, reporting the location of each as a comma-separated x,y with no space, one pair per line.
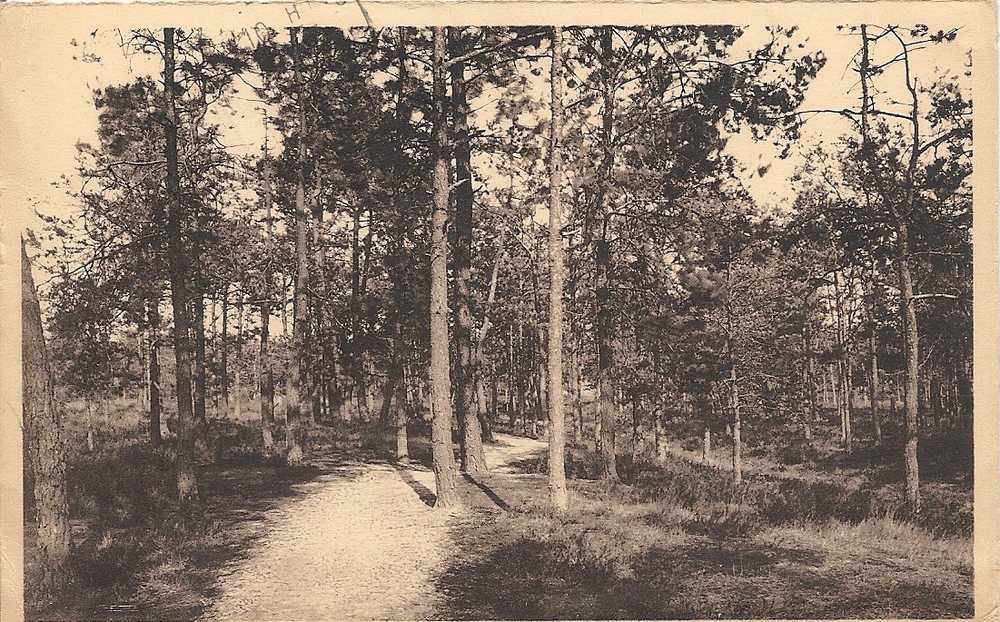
352,535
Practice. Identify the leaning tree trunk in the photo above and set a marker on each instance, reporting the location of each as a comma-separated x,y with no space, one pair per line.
43,440
445,475
187,483
472,457
296,383
557,434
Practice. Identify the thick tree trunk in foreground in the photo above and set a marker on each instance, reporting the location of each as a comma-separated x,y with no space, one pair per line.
296,382
472,458
557,433
153,319
43,440
445,474
187,483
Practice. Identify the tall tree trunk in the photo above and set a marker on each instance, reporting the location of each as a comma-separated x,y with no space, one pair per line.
224,346
606,410
557,433
43,441
296,385
201,447
211,347
402,414
487,415
187,483
472,459
266,394
539,358
901,260
357,358
849,403
809,377
734,387
575,380
153,319
318,350
238,376
910,343
873,391
445,475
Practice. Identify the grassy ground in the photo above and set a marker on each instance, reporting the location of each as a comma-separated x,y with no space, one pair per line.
136,555
815,535
678,540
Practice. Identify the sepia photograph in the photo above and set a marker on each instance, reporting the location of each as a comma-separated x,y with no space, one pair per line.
562,314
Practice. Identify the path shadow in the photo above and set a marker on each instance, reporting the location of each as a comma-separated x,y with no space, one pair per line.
426,495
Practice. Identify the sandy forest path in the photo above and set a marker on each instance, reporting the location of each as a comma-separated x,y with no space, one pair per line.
360,543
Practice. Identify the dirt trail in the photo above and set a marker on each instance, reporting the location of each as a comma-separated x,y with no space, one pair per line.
358,544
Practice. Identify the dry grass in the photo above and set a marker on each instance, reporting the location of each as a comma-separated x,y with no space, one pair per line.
679,541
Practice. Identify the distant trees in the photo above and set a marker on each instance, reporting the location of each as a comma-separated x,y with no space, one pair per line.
677,299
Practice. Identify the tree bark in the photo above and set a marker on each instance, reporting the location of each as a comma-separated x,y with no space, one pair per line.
201,447
606,410
155,406
445,475
266,395
187,483
318,351
873,391
224,347
910,347
296,386
557,433
472,459
43,441
238,376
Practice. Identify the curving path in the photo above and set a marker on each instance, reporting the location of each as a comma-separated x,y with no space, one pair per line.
358,544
